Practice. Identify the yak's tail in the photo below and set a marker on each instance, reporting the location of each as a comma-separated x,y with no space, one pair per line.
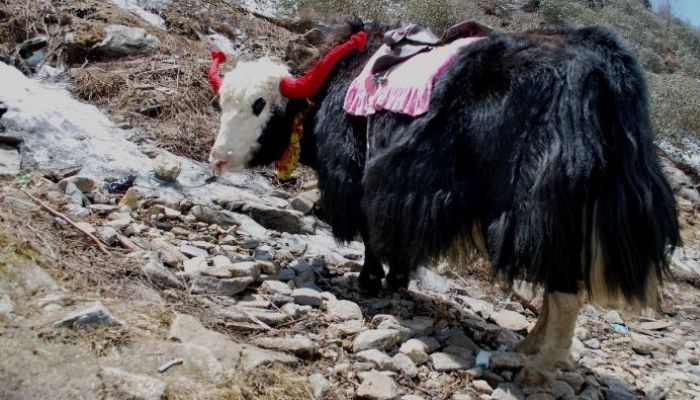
632,218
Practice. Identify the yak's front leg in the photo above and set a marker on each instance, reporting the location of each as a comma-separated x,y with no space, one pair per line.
370,279
549,342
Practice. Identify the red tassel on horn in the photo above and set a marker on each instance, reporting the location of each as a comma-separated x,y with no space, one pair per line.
217,57
309,84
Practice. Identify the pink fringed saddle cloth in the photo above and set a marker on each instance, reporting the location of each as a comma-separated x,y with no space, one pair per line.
405,87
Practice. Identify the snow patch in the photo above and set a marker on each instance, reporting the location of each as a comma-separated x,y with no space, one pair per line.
268,8
136,7
59,132
222,42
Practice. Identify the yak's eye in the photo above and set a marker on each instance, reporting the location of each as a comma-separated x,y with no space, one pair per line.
258,106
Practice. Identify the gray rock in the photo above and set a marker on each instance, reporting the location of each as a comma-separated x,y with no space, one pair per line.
416,350
592,344
285,274
118,384
280,220
507,360
254,301
10,161
590,393
459,351
582,334
461,340
108,235
508,391
420,326
269,267
223,218
444,362
157,273
642,344
305,201
347,328
18,204
562,390
510,320
187,329
221,261
94,316
195,266
294,310
245,268
168,253
481,307
618,394
378,357
573,379
276,287
254,357
405,365
75,196
482,386
7,309
224,287
299,346
377,386
307,297
292,244
123,40
613,317
344,310
203,359
391,322
319,386
193,251
84,183
381,339
167,168
264,253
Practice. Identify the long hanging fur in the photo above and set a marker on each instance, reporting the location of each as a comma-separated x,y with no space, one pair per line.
541,140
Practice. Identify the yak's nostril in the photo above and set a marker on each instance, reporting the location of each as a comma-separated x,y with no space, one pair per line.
219,165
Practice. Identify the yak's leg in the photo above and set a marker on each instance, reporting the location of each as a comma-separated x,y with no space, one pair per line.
370,279
532,342
551,339
397,278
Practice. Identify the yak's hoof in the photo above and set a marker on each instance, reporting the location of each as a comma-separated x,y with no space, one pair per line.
369,284
397,281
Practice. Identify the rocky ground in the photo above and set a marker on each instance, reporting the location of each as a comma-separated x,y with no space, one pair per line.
124,275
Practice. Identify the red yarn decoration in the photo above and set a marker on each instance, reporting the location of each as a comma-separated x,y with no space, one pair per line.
309,84
217,57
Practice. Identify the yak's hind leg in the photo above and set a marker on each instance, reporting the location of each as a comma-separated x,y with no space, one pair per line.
549,342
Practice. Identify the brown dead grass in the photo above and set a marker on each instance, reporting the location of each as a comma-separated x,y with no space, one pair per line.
274,382
100,340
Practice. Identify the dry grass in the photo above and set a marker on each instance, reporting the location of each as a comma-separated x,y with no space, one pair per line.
100,340
274,382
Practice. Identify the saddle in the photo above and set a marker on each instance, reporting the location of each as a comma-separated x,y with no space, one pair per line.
411,40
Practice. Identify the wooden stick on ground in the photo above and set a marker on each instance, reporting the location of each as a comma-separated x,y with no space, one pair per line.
63,217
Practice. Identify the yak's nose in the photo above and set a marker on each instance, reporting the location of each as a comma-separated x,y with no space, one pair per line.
219,160
219,166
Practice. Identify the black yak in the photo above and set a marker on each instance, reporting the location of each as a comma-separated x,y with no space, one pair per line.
537,150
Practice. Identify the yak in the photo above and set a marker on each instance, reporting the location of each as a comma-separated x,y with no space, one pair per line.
537,151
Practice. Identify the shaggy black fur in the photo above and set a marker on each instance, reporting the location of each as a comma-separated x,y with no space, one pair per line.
542,139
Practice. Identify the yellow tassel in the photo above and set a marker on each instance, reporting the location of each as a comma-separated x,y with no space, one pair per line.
290,159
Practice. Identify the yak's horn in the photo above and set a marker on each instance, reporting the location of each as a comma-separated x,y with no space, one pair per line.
217,57
309,84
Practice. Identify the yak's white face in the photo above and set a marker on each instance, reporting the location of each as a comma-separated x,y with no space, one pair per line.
249,97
